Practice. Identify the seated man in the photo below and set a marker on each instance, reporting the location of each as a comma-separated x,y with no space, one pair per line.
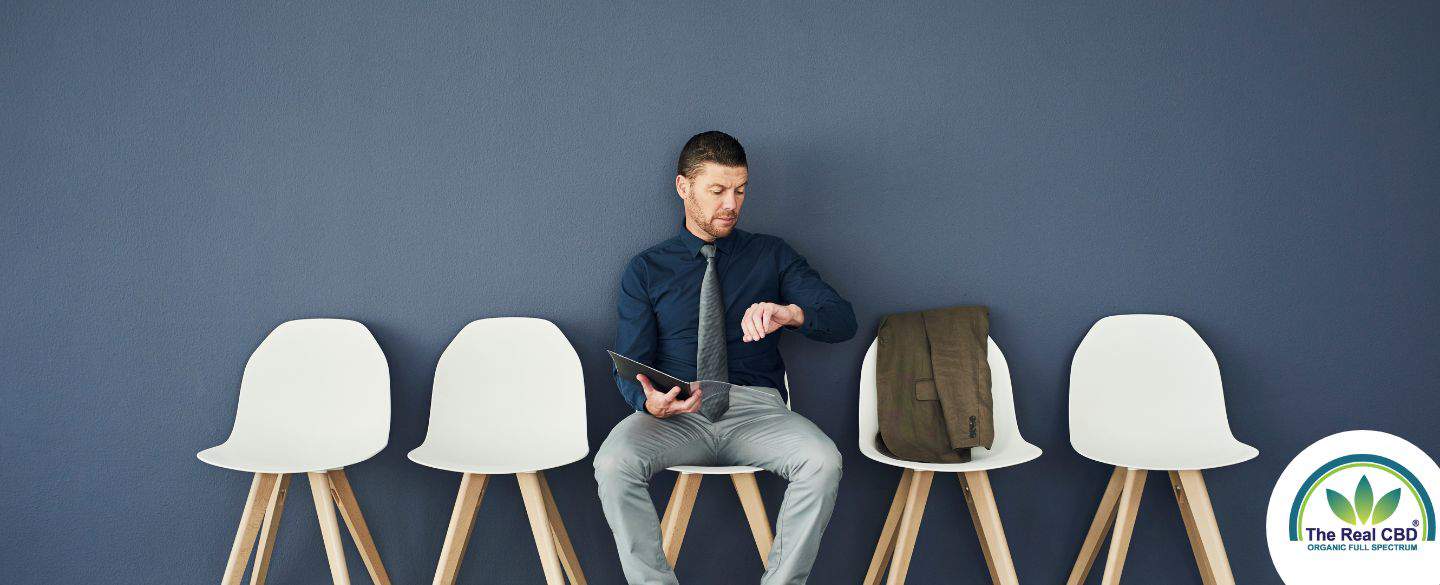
705,305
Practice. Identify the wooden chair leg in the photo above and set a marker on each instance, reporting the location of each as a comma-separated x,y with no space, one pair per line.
273,510
251,518
568,559
1188,517
677,514
329,527
355,521
909,527
980,499
885,546
754,506
1201,527
534,497
462,522
1134,488
1099,527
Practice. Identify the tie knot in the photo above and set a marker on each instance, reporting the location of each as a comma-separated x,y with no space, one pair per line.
708,250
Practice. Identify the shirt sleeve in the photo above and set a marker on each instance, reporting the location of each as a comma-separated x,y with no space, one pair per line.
828,317
636,336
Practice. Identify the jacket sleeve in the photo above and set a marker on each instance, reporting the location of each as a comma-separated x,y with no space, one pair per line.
636,335
828,317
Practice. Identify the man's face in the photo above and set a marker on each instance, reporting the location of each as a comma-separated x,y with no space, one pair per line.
713,198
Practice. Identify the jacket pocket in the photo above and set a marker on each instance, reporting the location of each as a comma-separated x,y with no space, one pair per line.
925,390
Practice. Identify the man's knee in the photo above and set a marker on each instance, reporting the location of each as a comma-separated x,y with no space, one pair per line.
615,462
821,462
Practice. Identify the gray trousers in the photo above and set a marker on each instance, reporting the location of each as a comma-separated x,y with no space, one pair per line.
759,431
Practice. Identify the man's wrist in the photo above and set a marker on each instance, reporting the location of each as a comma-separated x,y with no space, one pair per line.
797,316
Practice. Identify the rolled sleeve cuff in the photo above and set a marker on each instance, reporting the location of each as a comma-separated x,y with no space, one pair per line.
812,321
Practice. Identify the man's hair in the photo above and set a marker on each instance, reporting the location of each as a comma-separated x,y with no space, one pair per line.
713,146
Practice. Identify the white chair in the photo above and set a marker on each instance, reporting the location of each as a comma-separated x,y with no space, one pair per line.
314,398
687,489
509,398
1145,394
902,524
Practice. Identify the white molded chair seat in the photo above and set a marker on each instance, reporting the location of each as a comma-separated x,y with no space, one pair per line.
897,536
1145,393
715,470
1008,449
509,398
485,416
315,396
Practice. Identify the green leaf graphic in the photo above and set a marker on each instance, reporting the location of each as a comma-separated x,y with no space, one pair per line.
1364,500
1340,506
1386,506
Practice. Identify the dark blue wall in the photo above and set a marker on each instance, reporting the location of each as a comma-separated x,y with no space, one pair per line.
178,178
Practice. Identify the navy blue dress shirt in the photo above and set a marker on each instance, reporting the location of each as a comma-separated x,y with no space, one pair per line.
660,306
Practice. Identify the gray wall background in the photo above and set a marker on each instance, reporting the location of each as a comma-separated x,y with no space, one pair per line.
176,178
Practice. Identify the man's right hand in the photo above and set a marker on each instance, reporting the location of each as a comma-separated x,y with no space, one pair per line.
665,404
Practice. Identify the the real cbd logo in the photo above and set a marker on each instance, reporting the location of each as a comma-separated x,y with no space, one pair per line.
1360,510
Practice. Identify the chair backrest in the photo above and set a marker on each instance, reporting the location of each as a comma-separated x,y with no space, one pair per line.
323,383
1007,428
1144,379
513,385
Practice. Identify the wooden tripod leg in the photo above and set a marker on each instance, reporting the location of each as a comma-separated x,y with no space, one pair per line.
885,546
329,528
250,519
355,521
1134,488
754,507
1200,526
462,522
534,497
269,529
986,517
1099,527
909,527
677,514
1188,517
568,559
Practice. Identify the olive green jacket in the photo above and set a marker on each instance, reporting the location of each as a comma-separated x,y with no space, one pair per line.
933,384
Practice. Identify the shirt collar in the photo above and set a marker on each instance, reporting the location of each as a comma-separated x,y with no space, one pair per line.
722,245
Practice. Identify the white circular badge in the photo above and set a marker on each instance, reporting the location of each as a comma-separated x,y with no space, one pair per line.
1356,507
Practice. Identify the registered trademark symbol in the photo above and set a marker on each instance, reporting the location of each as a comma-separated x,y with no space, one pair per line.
1414,522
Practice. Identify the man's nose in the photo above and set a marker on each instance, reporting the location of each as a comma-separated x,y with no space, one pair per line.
728,201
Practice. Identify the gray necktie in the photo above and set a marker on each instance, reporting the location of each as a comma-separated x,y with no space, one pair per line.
711,358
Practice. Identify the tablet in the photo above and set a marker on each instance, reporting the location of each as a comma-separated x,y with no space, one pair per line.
662,381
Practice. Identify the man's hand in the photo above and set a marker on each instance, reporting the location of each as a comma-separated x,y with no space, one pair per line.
764,318
664,404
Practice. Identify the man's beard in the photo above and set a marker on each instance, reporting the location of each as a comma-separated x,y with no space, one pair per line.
715,231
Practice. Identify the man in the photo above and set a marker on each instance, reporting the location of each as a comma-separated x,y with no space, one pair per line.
707,305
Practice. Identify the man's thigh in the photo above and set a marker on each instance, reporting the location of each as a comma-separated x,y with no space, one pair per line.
642,445
778,440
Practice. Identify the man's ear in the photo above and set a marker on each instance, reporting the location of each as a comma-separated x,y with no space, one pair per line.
682,186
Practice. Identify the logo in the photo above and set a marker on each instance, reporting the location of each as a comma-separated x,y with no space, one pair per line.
1354,507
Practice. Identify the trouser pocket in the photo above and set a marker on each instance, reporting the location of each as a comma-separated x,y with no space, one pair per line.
772,393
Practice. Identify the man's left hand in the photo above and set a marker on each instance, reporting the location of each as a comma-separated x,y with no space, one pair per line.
765,318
